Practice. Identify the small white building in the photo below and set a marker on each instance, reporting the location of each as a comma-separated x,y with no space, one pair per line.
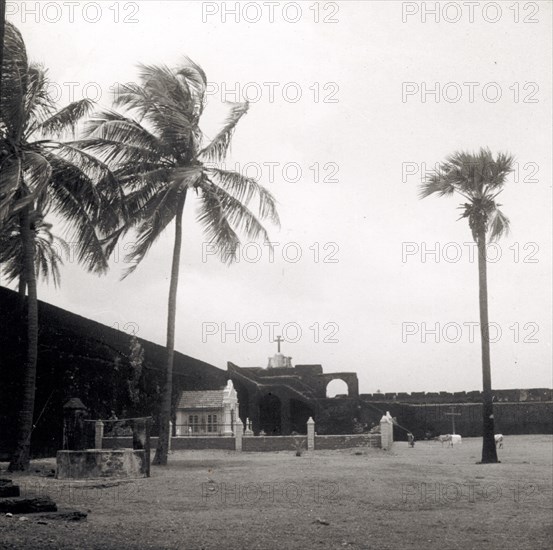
207,412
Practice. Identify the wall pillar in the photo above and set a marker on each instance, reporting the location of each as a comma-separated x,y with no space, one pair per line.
310,434
386,432
98,434
239,429
227,419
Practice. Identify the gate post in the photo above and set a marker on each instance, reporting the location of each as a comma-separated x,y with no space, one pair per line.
238,434
310,434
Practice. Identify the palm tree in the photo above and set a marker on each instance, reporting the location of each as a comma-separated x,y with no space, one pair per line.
49,250
159,158
478,178
38,174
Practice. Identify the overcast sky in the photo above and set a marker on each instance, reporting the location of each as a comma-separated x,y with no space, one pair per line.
343,95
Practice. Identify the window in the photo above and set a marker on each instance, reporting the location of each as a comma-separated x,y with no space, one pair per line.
193,423
212,423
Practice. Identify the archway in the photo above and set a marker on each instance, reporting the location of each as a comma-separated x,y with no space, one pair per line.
270,414
337,387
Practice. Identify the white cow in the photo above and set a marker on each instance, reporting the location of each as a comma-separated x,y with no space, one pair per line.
499,440
450,439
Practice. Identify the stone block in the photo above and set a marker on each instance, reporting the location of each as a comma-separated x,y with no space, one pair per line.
105,463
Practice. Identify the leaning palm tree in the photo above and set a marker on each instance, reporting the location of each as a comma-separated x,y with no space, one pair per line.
156,150
39,173
478,178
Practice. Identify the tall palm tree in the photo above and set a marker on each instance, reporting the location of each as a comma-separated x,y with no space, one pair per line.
37,171
157,152
478,178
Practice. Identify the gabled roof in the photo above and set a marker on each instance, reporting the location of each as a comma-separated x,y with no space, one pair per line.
206,399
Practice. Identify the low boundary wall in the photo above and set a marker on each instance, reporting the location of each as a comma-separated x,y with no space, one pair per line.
250,443
323,442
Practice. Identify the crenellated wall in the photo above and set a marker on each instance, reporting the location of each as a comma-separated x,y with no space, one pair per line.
500,396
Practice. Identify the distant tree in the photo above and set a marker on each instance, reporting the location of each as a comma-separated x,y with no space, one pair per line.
38,174
479,179
159,157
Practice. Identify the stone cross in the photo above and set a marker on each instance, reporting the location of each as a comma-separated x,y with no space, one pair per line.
453,415
278,341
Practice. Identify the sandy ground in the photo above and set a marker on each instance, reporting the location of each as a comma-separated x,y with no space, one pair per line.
430,497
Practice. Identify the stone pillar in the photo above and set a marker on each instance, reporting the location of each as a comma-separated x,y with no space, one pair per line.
230,404
98,434
74,436
239,428
170,435
227,419
386,432
310,434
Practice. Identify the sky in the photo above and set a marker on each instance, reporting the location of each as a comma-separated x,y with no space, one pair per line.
350,103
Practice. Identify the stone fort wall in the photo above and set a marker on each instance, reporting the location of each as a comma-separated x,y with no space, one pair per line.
500,396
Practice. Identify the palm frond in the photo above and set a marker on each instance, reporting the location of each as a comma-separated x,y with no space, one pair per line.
97,174
166,102
149,185
39,104
216,151
66,119
37,172
14,83
10,181
112,126
245,189
211,215
224,217
156,215
49,249
196,79
499,225
433,185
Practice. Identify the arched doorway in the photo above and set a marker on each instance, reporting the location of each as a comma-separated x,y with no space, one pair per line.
270,414
337,387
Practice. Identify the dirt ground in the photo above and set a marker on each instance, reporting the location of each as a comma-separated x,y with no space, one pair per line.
429,497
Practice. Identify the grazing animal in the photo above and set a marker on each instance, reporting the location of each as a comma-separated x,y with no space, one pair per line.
499,440
443,439
450,439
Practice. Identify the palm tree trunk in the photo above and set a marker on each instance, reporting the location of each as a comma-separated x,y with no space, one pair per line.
489,453
162,449
21,457
2,33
